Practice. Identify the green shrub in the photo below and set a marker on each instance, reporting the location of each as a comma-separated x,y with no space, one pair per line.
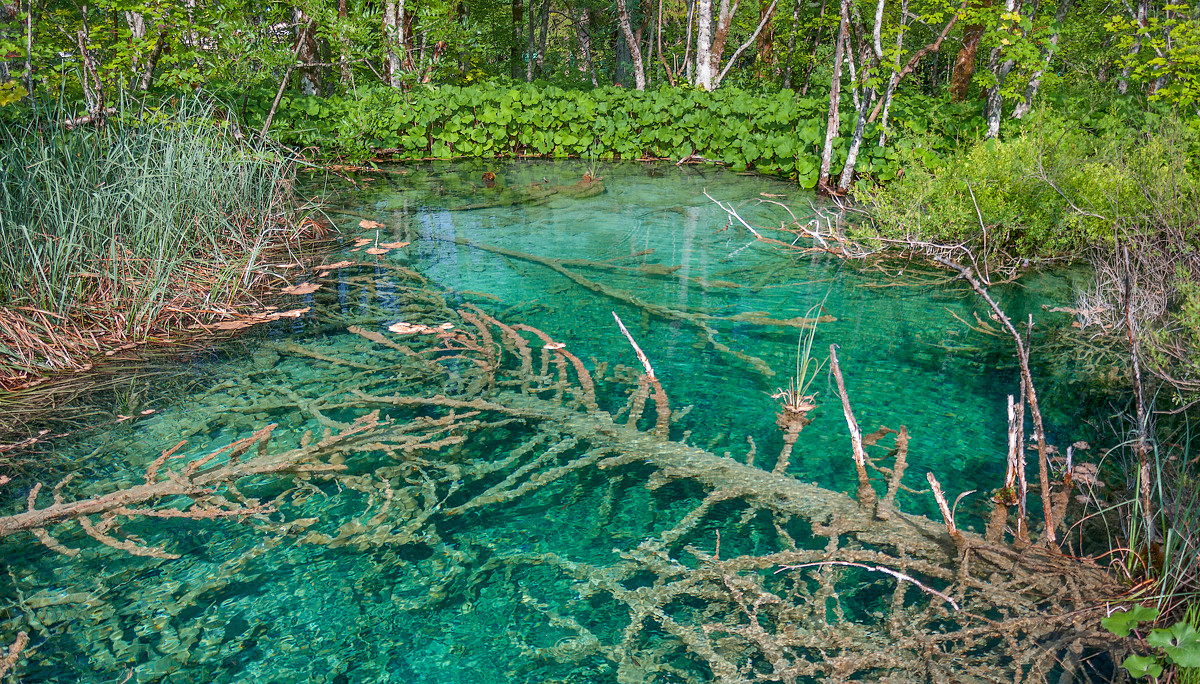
777,133
1054,188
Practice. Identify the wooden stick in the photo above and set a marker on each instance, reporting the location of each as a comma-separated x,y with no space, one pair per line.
866,495
1027,378
940,497
14,652
636,349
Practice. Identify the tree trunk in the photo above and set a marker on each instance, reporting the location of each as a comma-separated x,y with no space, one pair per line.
835,92
721,34
585,43
29,49
1140,18
658,37
995,100
514,55
733,59
530,55
704,67
886,102
307,51
964,64
344,59
791,46
391,42
93,89
544,29
868,99
766,39
137,31
911,66
152,60
1022,108
635,50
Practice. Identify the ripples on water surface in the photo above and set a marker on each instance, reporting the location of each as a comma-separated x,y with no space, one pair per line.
248,605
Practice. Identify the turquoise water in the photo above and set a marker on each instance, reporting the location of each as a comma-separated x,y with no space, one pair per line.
263,600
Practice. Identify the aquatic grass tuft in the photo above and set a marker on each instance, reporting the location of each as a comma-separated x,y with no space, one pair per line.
119,233
796,397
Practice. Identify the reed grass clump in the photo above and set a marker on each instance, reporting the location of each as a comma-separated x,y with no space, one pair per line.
128,231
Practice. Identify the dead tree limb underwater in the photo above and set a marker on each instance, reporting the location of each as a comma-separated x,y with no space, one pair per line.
422,450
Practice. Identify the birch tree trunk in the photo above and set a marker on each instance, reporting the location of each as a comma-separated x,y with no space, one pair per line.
137,31
704,68
753,37
868,99
835,91
895,80
1035,81
391,42
1143,9
635,50
995,101
913,61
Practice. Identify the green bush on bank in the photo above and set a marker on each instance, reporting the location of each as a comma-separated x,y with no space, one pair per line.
1056,187
777,133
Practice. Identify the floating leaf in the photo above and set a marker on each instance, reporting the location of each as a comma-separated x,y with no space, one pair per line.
302,288
377,250
393,245
370,225
402,328
340,264
362,241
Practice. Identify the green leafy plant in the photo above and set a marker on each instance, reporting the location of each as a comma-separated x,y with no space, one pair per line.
1177,645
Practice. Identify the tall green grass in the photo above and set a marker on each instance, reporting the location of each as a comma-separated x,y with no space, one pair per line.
127,229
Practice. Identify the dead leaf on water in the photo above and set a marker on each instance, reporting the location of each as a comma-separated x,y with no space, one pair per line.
362,241
340,264
402,328
369,224
302,288
393,245
377,250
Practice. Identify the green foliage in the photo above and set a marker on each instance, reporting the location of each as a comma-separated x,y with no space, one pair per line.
777,133
1056,187
1122,622
1168,54
1178,644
